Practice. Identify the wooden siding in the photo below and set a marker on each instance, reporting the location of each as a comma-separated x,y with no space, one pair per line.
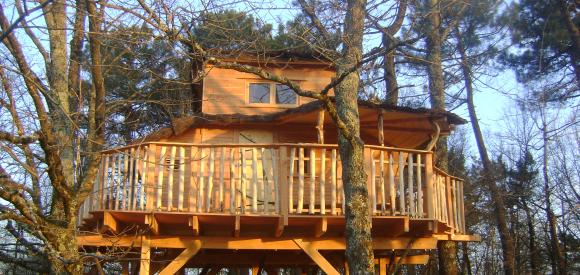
225,91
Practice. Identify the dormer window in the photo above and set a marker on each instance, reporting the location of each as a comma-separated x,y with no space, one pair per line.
271,94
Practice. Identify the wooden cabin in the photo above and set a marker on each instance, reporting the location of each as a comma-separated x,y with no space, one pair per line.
255,182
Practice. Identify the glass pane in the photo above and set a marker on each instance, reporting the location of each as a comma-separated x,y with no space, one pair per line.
285,95
259,93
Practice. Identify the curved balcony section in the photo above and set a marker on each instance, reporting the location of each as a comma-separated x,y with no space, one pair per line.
271,179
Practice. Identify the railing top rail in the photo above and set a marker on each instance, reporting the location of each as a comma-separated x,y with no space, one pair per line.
440,171
263,145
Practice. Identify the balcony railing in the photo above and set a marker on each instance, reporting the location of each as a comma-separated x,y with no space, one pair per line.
270,179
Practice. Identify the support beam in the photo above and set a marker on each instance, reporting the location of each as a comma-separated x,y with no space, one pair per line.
194,225
382,266
280,224
109,223
237,226
144,267
253,243
321,227
153,224
182,259
313,253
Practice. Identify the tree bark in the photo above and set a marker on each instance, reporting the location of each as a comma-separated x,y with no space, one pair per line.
574,33
390,73
535,261
447,250
507,242
359,250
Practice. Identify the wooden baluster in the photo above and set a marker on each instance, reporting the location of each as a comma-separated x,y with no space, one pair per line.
312,191
232,181
462,207
112,179
129,169
201,181
333,182
392,185
160,178
193,162
104,180
300,180
449,202
254,181
144,172
429,184
419,188
136,163
291,181
323,182
410,188
265,180
120,180
221,205
243,180
170,172
455,210
275,176
181,183
382,181
373,192
401,186
150,183
209,194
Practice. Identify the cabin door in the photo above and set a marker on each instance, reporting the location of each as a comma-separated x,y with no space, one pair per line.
263,181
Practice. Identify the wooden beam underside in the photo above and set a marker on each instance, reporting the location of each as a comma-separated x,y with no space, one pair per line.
245,243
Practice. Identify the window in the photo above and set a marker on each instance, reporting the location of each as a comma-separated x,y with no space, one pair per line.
259,93
271,93
285,95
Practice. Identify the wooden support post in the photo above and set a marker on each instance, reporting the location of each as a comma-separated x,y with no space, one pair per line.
321,227
160,177
182,259
237,226
109,223
150,182
194,225
153,224
283,182
313,253
280,224
382,266
144,267
333,194
291,181
312,188
181,182
171,171
381,134
300,180
209,195
429,184
320,126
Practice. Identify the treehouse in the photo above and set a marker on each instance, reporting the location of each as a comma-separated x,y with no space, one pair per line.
255,182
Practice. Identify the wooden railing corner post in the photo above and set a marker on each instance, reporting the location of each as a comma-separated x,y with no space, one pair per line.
429,184
283,165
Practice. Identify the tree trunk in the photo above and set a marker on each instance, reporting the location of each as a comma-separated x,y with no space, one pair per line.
496,195
535,261
574,33
558,263
447,250
390,74
359,250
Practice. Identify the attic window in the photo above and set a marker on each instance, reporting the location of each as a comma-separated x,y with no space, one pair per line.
271,94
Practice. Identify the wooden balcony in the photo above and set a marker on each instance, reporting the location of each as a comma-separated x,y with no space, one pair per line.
271,180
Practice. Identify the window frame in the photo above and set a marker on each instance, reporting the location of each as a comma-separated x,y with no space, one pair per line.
272,103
